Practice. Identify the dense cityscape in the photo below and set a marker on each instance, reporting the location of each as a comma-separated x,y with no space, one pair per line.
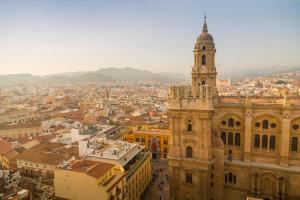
49,131
126,133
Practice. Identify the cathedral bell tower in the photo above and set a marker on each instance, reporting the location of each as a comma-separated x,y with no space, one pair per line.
190,111
204,70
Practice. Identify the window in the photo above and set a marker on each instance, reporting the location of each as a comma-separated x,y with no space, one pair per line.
256,141
273,125
188,178
257,124
237,139
225,178
190,127
272,142
295,126
265,124
137,139
189,152
223,135
264,142
294,146
230,177
234,179
230,138
203,60
223,123
203,48
230,122
203,82
237,123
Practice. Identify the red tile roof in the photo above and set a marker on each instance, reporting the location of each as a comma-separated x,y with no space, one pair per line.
42,157
92,168
4,147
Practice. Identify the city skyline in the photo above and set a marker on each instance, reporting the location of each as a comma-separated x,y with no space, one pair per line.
51,37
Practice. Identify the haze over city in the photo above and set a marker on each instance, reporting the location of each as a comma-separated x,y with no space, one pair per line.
149,100
46,37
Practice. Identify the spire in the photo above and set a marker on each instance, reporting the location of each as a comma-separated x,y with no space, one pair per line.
204,30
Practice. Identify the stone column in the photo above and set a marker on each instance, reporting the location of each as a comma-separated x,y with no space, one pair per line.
248,135
285,138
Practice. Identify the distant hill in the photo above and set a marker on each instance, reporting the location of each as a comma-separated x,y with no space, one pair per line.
100,76
257,72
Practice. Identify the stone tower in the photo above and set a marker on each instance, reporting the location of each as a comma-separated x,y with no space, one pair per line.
190,113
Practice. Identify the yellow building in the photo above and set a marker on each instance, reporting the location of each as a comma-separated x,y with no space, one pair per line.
9,159
143,127
86,179
7,155
154,140
139,177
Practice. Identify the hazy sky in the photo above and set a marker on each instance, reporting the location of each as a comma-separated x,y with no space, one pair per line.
53,36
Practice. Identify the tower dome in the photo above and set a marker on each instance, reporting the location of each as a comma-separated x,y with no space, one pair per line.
204,39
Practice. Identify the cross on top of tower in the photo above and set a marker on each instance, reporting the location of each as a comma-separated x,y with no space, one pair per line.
205,30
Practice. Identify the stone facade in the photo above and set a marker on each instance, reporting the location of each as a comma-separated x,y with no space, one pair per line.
230,147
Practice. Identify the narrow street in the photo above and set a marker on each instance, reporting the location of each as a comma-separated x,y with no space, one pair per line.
159,188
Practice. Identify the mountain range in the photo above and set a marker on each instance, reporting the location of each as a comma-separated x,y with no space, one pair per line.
103,75
129,74
257,72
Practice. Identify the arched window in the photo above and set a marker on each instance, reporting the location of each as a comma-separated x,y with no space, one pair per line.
223,135
203,48
294,145
230,177
265,124
230,122
264,142
237,139
203,82
190,127
189,152
225,178
230,138
234,179
203,60
272,142
256,141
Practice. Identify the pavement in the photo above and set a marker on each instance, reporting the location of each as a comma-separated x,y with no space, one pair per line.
159,188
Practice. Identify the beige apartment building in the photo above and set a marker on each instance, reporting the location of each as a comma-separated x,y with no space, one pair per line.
85,179
43,159
135,160
230,147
